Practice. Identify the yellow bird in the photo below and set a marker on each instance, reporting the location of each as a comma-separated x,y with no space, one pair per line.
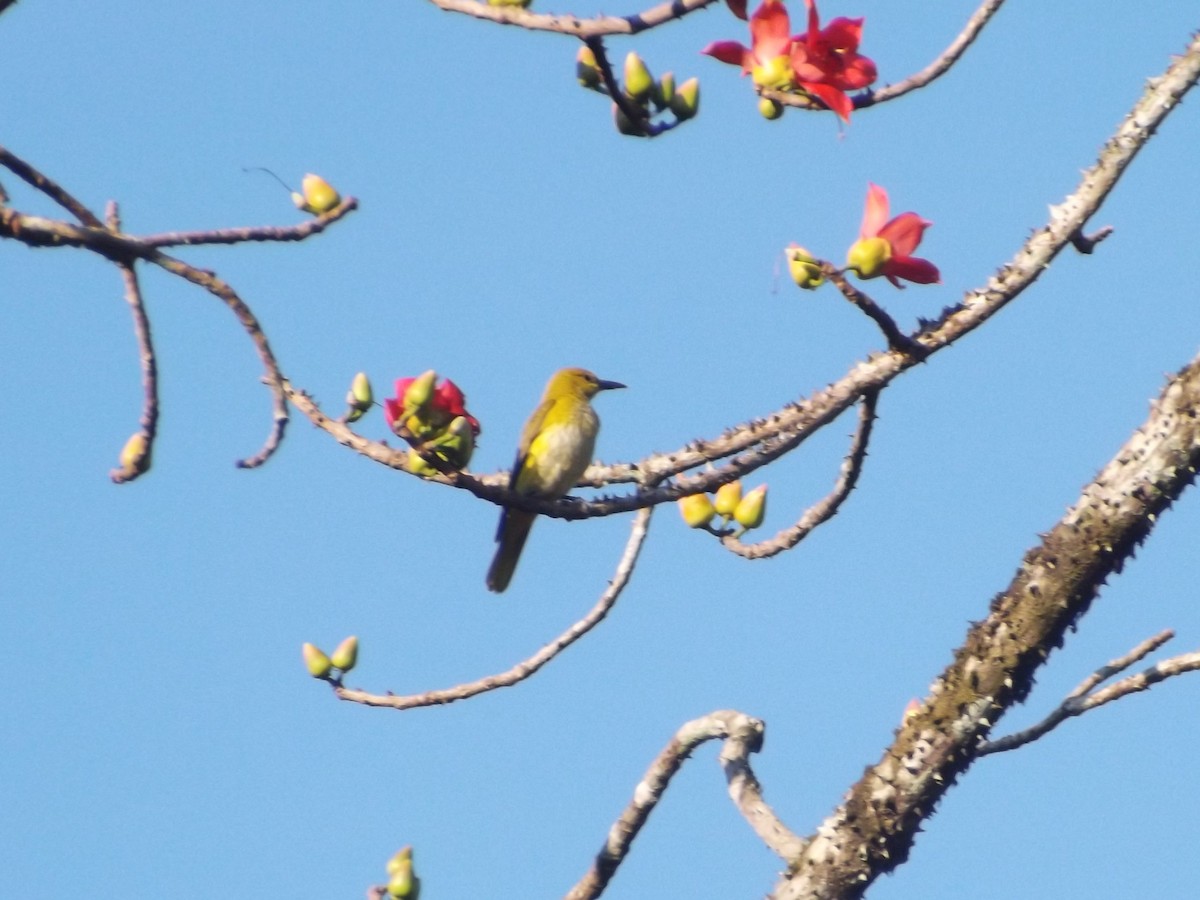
556,446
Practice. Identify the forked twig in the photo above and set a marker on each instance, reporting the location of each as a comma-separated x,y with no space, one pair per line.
743,735
1082,699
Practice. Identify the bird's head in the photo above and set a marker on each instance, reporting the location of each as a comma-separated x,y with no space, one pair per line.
580,382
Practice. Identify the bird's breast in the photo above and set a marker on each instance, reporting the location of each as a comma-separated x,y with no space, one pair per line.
559,455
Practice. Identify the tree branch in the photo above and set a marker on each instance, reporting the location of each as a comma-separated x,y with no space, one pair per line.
826,509
568,24
872,831
743,735
1081,700
527,667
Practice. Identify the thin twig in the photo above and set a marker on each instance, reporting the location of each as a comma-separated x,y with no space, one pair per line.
273,377
278,233
47,186
827,508
743,735
1082,699
141,330
1086,243
897,339
527,667
568,24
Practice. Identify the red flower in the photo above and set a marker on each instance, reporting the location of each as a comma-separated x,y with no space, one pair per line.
447,403
884,247
768,57
827,63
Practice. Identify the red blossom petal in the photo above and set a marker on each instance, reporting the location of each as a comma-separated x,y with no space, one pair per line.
738,8
833,97
391,411
842,34
859,72
770,31
730,52
806,67
904,233
875,213
910,268
814,23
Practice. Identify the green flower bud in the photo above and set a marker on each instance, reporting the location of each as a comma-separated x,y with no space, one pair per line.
316,661
638,80
419,395
135,455
664,90
318,195
750,511
346,654
868,256
805,270
359,398
686,102
697,510
726,499
587,70
625,125
769,109
456,443
403,882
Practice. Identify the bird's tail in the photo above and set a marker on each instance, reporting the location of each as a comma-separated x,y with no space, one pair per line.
514,528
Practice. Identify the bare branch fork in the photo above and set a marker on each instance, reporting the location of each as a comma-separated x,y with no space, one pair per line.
1086,697
742,735
124,250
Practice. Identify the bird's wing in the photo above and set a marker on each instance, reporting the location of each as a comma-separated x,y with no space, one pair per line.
533,426
519,479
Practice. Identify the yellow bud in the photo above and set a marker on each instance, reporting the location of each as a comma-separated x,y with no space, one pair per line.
359,398
726,499
418,466
664,90
315,660
135,455
319,195
419,394
346,654
775,74
697,510
868,256
456,443
638,80
805,270
686,102
403,882
750,511
624,124
769,109
587,70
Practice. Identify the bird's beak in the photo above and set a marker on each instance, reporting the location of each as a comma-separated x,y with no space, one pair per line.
608,385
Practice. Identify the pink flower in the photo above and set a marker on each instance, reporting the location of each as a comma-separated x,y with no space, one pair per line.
827,63
768,58
884,245
447,403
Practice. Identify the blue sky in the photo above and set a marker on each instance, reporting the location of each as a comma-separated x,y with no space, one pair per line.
158,735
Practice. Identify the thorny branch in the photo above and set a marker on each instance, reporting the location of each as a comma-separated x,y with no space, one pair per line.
743,735
527,667
751,445
871,832
1085,697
